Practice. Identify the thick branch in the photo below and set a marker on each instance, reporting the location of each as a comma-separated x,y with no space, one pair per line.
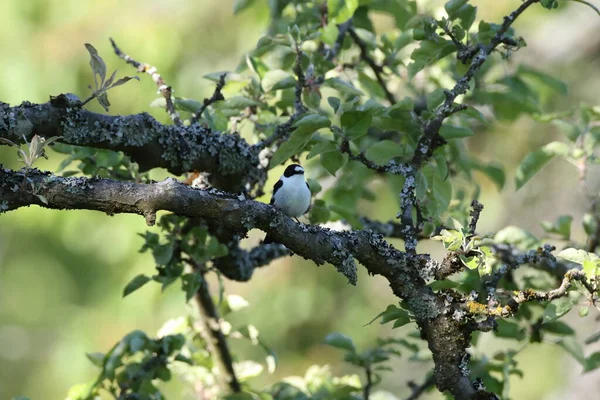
446,337
145,140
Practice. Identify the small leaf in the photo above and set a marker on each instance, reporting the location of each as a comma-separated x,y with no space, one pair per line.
332,161
123,80
135,284
305,127
340,341
514,235
558,328
383,151
578,256
96,358
277,79
593,339
544,79
453,6
342,86
449,132
97,64
341,10
557,309
592,362
356,123
241,5
571,345
535,160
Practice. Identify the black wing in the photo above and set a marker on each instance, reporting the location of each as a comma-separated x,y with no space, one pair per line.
307,185
275,189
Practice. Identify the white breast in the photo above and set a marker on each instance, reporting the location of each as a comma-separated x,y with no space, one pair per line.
293,197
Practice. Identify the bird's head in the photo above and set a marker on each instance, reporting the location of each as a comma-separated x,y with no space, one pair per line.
293,169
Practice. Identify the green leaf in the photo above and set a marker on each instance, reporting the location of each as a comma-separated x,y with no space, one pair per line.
453,6
238,103
340,341
535,160
135,284
340,11
277,79
557,309
319,213
322,146
467,14
383,151
558,328
406,104
593,339
544,79
435,98
592,362
311,123
305,127
514,235
429,52
342,86
449,132
562,226
96,358
452,239
578,256
190,283
356,123
507,329
333,161
329,34
97,64
549,4
494,171
163,253
571,345
241,5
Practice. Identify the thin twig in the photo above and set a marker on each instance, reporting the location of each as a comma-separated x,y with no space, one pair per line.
163,88
216,96
213,335
525,296
377,69
476,209
418,390
367,388
430,139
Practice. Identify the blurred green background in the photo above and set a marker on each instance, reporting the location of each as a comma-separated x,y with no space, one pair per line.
62,273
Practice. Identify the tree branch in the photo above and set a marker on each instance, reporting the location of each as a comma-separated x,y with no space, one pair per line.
377,69
214,337
430,139
525,296
178,149
418,390
216,96
163,88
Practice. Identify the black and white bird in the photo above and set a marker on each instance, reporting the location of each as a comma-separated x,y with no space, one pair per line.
291,194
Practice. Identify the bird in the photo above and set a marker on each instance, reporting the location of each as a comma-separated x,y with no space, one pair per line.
291,194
